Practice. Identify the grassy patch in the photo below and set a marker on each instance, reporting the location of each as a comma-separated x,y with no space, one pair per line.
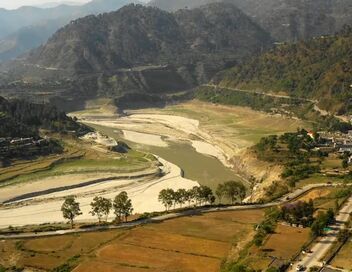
343,259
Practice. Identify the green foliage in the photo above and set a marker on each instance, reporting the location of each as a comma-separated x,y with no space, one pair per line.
300,213
23,119
292,150
122,206
236,98
342,193
234,267
68,266
234,190
70,209
101,207
322,221
267,226
319,68
198,195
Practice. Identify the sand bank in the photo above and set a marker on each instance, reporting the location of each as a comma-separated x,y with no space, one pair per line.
144,195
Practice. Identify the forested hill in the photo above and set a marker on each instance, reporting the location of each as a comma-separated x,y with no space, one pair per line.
285,20
137,54
319,69
136,35
19,118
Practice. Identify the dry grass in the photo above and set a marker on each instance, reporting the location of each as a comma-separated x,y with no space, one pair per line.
280,246
343,259
286,241
48,253
234,127
197,243
315,194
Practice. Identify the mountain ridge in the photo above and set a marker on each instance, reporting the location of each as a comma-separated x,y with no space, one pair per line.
285,20
140,50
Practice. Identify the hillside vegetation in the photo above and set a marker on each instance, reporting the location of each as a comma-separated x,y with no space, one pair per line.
285,20
23,119
319,69
137,51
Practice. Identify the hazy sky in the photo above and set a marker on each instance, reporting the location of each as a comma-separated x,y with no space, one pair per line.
13,4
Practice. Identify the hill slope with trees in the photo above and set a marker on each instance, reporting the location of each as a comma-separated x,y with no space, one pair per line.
285,20
20,119
139,51
319,69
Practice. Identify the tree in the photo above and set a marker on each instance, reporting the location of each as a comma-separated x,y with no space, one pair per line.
122,206
189,197
235,189
206,194
166,197
220,192
196,195
70,209
182,196
101,207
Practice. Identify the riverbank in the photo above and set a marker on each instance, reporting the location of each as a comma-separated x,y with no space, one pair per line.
142,191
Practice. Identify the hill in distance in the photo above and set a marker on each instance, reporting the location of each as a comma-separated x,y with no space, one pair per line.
318,69
285,20
140,49
28,27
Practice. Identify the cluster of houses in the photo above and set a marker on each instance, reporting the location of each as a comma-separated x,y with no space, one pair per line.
10,144
336,142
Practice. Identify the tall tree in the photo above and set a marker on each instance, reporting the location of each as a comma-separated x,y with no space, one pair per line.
220,192
101,207
166,197
182,196
70,209
235,190
122,206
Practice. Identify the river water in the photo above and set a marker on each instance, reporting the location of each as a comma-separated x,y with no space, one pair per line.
206,170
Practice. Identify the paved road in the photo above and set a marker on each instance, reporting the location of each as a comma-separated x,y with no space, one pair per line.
169,216
322,247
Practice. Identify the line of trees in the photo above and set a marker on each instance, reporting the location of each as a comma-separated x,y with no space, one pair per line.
200,195
100,207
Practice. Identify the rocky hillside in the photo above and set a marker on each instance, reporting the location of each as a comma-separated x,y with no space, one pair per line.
285,20
140,49
318,69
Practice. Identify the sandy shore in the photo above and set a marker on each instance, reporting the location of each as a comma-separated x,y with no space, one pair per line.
144,138
148,129
144,195
13,191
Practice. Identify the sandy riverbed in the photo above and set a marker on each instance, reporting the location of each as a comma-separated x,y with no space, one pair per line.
149,129
144,195
144,138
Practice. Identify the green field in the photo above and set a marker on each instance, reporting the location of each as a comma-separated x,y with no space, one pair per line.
78,158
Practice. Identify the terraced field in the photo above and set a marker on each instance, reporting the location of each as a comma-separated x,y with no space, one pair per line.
197,243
